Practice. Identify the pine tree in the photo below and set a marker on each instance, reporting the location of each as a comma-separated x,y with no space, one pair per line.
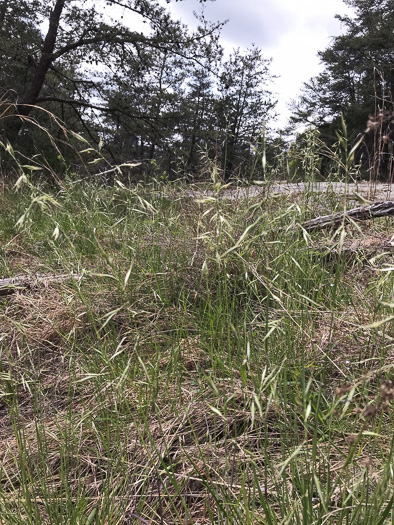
358,76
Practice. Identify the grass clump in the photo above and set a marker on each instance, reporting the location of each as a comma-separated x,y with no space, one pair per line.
204,362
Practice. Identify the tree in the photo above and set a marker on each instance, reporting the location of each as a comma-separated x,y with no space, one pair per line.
243,105
147,130
358,76
19,40
199,124
85,35
158,95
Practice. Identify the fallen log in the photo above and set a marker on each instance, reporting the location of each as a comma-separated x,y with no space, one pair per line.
20,282
362,213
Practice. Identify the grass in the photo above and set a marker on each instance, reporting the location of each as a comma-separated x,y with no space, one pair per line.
205,367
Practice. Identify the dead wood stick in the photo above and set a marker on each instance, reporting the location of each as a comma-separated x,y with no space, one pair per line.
11,284
362,213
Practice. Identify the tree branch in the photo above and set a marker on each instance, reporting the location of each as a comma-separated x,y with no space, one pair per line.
10,285
105,109
362,213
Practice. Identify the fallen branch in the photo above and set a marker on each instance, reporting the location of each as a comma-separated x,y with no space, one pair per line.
362,213
20,282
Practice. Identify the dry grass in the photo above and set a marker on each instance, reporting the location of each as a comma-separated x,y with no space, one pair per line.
248,393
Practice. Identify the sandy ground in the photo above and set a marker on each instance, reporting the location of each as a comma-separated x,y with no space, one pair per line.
377,192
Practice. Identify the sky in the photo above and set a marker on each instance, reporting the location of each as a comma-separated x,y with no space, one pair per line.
291,32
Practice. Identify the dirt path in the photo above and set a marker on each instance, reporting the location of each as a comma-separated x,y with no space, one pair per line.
374,193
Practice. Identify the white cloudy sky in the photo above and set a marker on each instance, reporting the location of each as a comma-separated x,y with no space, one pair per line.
289,31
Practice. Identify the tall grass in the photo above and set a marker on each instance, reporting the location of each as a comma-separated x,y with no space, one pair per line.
207,364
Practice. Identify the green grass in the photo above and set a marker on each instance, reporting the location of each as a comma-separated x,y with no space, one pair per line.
197,370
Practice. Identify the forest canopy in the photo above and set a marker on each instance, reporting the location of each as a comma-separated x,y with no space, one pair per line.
125,75
163,93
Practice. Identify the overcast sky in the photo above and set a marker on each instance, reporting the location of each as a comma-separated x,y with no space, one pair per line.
291,32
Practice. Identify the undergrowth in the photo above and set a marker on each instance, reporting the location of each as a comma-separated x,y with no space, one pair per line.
205,362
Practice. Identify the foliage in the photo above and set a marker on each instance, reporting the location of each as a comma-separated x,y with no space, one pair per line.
243,105
135,90
357,81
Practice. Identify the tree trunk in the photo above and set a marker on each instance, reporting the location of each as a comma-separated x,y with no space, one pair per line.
31,95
